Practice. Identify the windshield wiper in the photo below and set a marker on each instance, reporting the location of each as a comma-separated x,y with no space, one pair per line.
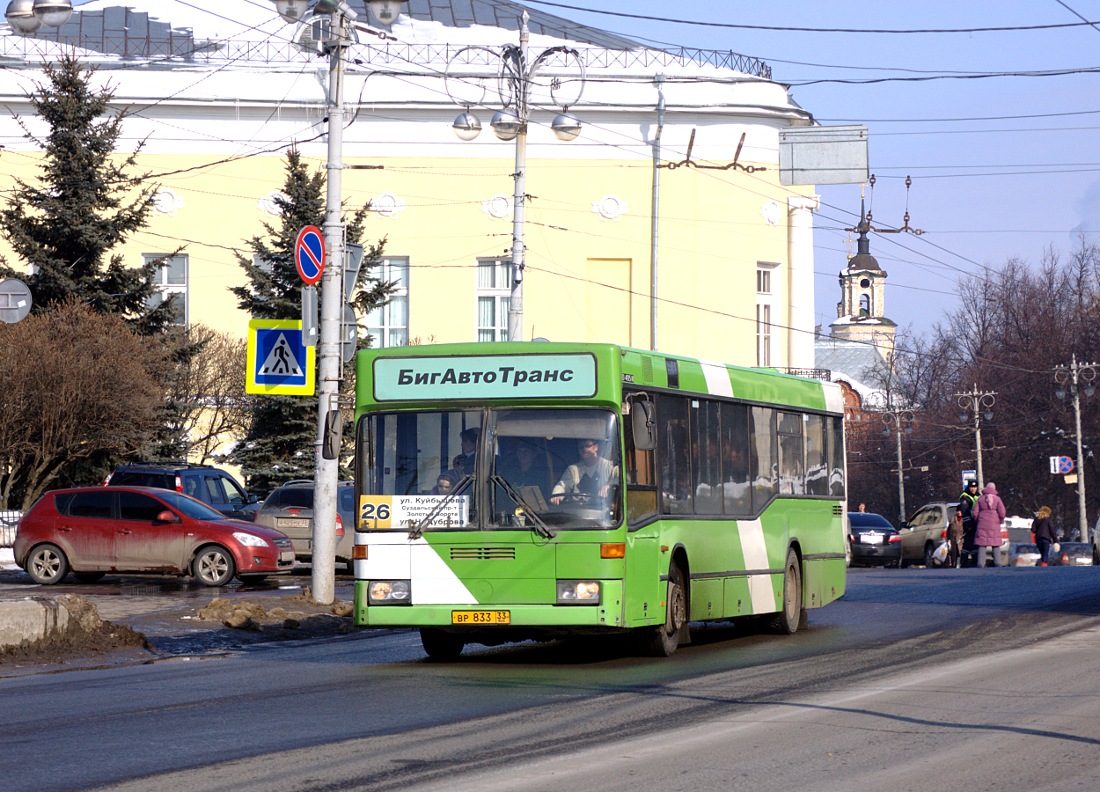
460,486
538,525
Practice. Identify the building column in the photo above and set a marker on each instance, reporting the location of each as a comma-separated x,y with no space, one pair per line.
800,291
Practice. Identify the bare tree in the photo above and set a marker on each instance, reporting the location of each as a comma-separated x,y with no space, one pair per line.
73,384
208,393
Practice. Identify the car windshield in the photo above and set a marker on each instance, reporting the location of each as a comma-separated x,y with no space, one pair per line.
867,520
195,509
515,468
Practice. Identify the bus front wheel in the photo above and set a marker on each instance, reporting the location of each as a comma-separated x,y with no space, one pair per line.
443,647
663,641
788,620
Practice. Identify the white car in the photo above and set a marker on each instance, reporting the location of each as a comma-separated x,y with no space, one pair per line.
1023,554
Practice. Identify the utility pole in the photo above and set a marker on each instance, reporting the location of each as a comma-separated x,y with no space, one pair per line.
901,421
1077,377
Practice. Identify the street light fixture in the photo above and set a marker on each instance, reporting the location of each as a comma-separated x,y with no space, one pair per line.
1074,378
337,37
26,16
516,85
978,404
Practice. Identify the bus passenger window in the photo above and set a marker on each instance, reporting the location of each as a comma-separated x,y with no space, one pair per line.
836,457
674,442
762,456
736,492
816,472
792,477
706,457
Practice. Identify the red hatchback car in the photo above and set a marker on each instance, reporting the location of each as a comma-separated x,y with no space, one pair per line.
91,531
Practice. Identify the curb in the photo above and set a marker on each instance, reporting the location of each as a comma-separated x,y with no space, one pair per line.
26,622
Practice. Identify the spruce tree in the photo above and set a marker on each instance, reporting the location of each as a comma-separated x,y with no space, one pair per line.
280,443
82,207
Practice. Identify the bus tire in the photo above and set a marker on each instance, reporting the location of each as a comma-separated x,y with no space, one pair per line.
440,646
663,641
789,619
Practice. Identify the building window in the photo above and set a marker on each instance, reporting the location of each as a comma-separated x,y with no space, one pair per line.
389,323
170,282
763,281
764,298
492,299
763,335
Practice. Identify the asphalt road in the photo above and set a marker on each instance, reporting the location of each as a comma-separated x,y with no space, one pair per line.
918,679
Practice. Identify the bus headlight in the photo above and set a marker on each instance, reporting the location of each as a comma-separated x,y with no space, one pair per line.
578,592
389,592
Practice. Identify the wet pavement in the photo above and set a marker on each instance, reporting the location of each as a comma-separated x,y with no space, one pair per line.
179,617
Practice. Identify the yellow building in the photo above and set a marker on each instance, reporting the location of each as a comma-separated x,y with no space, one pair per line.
690,138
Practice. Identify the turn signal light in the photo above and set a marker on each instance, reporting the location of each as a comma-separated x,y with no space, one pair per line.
359,553
613,550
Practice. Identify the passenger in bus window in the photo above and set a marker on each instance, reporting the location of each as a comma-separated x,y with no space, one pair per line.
525,466
445,483
591,475
464,462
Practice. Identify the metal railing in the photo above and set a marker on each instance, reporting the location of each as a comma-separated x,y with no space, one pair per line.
9,519
183,49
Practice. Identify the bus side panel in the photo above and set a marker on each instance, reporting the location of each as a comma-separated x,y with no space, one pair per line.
819,534
645,591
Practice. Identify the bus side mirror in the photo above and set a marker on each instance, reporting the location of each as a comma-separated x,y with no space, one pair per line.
334,433
642,425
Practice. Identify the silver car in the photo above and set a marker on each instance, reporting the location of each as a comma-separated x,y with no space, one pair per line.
924,531
290,509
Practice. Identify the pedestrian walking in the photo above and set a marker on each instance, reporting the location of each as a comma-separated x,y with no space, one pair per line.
1045,533
989,513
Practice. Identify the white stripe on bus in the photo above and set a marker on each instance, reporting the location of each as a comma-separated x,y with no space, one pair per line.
393,556
718,379
755,552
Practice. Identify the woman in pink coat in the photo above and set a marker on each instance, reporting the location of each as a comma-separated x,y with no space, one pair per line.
989,513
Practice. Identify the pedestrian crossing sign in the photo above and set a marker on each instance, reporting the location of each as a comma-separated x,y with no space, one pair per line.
278,360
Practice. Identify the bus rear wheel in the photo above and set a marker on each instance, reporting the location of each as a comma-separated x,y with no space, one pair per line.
442,647
788,620
664,640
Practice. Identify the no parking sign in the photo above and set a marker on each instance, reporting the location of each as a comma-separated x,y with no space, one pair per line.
309,254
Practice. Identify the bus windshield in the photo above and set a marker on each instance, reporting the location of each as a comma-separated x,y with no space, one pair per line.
527,468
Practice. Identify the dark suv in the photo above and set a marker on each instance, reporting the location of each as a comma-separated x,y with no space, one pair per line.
211,485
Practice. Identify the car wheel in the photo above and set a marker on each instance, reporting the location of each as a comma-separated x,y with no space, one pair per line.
213,566
664,640
929,555
47,564
442,647
88,577
788,620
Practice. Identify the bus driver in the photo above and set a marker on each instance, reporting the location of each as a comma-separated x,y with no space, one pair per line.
590,475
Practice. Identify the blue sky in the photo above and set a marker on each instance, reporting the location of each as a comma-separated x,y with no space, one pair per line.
1003,165
997,128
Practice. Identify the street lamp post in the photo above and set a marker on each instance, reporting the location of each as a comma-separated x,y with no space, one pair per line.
516,84
901,423
1077,377
978,403
26,16
327,465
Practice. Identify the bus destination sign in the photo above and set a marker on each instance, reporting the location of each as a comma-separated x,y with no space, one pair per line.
484,377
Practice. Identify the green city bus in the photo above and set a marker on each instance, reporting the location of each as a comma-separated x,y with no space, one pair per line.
536,490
